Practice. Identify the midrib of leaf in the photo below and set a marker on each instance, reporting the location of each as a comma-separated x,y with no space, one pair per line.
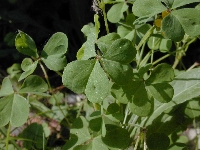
172,103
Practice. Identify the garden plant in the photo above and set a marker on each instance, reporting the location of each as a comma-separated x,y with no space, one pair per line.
138,93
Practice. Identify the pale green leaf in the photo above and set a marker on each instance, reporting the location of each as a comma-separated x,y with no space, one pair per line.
178,3
192,108
13,108
116,12
97,87
28,66
147,7
33,84
165,45
6,88
154,42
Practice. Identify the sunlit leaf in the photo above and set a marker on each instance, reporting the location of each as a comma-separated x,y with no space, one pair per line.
25,44
6,88
53,52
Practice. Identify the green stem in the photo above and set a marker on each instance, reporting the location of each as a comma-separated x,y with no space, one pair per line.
145,37
102,6
4,132
8,136
160,59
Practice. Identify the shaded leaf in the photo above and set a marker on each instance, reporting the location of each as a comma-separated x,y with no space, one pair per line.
34,136
116,137
158,141
161,73
119,73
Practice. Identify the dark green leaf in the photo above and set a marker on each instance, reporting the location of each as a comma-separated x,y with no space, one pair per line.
105,41
116,137
25,44
121,50
34,136
192,108
162,92
140,104
178,3
113,108
172,28
158,141
119,73
161,73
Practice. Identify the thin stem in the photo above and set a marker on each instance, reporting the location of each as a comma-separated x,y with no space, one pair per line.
137,142
145,37
161,58
8,136
102,6
4,132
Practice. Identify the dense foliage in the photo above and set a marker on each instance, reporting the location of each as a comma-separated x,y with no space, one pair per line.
133,98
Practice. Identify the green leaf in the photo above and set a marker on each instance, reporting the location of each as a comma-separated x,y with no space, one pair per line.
154,42
6,88
122,93
146,7
189,19
144,70
172,28
162,92
121,50
95,121
95,144
116,12
192,108
34,136
59,112
165,45
28,66
189,89
158,141
116,137
104,42
140,104
178,3
14,70
33,84
13,108
161,73
53,52
76,75
25,44
89,46
97,87
79,133
119,73
126,32
113,108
